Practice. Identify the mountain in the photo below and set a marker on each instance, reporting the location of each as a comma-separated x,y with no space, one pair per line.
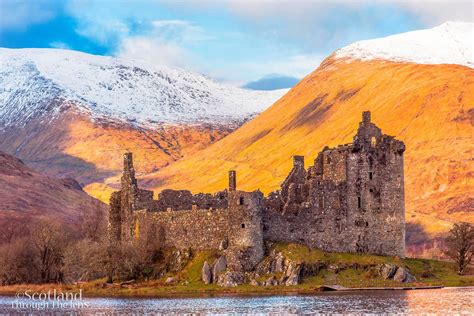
272,82
422,95
71,114
26,196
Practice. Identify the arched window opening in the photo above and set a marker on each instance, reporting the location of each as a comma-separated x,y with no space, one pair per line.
241,200
242,225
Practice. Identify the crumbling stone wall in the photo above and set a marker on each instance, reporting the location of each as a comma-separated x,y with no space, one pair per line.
199,229
184,200
351,199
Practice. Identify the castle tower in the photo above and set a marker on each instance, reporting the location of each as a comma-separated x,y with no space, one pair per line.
123,203
298,161
232,180
246,233
375,185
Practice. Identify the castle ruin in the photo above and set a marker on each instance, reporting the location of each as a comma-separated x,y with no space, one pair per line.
350,200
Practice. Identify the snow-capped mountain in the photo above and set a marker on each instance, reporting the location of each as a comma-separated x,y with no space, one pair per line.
448,43
71,114
38,81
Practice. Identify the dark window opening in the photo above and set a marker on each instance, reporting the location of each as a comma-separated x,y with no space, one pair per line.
241,200
328,159
243,225
366,224
359,202
370,175
371,190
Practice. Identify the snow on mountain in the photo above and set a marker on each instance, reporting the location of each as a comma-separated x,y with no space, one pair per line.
36,81
449,43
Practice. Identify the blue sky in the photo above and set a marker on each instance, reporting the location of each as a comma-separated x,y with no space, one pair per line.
231,41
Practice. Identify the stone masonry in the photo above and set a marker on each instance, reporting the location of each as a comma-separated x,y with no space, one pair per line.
350,200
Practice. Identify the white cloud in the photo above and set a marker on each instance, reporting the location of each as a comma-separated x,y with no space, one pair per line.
103,31
164,43
60,45
19,15
153,51
433,13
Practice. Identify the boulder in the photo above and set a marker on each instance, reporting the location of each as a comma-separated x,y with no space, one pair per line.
230,279
271,281
219,266
277,263
402,275
178,260
206,274
387,271
293,273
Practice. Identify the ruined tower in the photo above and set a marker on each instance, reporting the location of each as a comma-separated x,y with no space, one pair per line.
232,180
350,200
246,247
375,192
124,202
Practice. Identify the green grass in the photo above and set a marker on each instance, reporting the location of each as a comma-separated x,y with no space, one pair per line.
302,253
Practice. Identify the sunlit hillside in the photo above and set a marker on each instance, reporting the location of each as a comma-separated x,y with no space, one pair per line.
429,107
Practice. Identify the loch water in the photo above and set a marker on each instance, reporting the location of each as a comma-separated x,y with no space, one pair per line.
446,301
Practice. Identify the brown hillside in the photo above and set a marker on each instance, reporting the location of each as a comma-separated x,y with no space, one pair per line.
26,196
429,107
73,145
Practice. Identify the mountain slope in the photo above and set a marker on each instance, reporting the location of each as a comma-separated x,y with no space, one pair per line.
111,88
26,196
428,106
72,114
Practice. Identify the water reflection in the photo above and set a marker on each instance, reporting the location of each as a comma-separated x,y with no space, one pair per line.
443,301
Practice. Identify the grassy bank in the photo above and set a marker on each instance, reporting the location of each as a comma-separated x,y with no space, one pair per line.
188,281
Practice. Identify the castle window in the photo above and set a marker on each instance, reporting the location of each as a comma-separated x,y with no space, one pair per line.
328,159
359,202
371,190
243,225
373,141
370,175
241,200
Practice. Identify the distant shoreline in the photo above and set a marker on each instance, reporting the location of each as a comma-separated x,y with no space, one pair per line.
224,292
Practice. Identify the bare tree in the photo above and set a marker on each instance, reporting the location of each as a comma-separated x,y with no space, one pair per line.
460,245
16,259
48,249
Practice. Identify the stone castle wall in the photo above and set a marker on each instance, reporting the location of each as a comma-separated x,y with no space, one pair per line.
198,229
350,200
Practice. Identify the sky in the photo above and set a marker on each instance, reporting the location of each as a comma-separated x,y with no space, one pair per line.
230,41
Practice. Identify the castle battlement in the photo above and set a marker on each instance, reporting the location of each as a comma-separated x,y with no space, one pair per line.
350,200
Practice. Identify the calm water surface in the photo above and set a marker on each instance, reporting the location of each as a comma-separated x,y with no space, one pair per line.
446,301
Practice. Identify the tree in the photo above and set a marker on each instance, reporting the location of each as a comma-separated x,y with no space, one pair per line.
460,245
48,241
